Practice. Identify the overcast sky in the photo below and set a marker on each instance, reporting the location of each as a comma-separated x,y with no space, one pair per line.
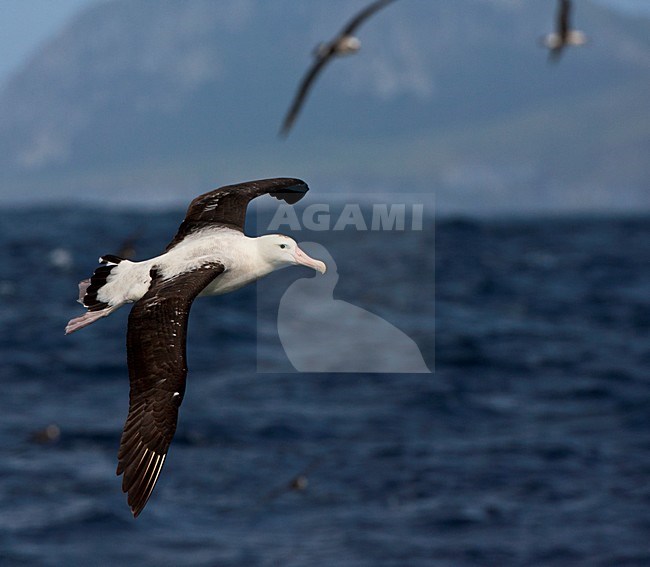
24,24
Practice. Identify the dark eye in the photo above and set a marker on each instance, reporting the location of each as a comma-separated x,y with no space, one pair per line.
284,246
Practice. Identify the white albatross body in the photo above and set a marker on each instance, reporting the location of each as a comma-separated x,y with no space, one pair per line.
238,253
244,260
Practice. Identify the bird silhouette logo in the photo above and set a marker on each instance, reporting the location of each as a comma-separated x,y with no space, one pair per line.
322,334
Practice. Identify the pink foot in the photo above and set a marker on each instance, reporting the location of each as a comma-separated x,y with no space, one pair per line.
83,286
88,318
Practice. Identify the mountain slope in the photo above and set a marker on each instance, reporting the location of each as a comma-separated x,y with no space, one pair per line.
141,98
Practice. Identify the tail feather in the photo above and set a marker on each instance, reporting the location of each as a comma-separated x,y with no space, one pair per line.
97,280
88,290
110,259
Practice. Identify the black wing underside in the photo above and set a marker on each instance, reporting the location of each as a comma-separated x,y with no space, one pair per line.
563,19
227,205
303,90
363,15
157,369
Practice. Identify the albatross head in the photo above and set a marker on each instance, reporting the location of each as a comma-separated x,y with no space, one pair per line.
281,251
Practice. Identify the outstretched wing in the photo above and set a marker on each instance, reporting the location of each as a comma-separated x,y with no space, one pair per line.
303,89
564,19
368,11
155,344
226,206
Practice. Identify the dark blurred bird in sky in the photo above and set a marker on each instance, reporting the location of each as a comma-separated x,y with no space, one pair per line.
563,34
343,44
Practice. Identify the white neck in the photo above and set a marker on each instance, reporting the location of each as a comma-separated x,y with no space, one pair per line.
245,263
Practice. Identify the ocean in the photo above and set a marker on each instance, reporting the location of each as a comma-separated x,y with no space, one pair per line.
528,443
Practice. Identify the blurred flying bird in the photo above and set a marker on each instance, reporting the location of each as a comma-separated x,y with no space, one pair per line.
128,246
343,44
563,34
210,255
46,435
298,483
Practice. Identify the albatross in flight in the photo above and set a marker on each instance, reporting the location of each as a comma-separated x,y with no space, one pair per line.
563,34
343,44
210,255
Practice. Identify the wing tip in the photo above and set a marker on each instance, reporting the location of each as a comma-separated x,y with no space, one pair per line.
138,481
291,190
283,133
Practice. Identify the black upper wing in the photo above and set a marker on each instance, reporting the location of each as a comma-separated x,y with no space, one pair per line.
564,19
155,343
226,206
303,89
368,11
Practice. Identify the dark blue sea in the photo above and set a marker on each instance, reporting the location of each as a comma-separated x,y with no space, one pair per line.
528,444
